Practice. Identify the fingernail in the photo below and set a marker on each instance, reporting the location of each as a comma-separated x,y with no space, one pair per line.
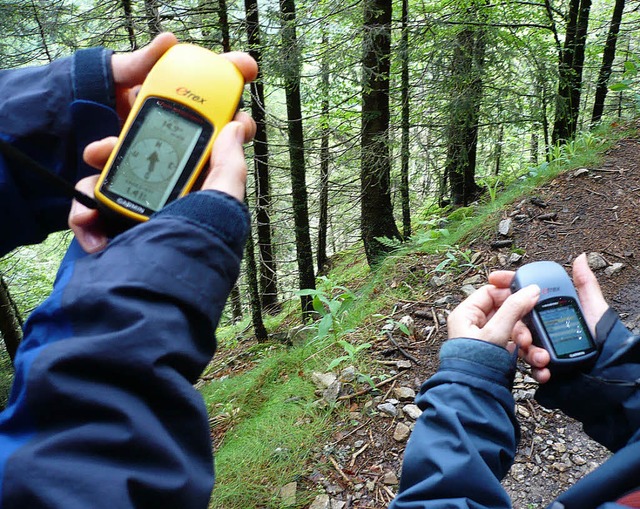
239,133
533,290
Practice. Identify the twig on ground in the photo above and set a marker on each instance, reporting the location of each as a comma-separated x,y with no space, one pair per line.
400,349
338,469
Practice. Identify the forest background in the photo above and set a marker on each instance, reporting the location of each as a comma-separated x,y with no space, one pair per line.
374,117
371,113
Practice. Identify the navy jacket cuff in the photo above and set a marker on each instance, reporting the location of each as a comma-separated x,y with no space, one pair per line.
93,76
479,358
216,211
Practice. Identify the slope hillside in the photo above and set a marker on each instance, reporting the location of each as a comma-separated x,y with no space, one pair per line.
593,210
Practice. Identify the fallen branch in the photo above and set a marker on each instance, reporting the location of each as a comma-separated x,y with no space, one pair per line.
339,470
400,349
369,389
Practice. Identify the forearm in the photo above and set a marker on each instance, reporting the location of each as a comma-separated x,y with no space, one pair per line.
50,113
106,371
465,440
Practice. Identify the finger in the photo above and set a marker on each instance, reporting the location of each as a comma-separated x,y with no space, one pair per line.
592,301
501,278
245,64
228,166
97,153
131,69
501,326
541,375
248,124
85,222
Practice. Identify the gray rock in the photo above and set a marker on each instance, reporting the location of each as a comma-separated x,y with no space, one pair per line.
504,227
409,323
321,502
331,393
388,409
402,432
474,280
596,261
614,269
390,478
288,493
515,258
348,374
404,393
468,289
412,411
323,380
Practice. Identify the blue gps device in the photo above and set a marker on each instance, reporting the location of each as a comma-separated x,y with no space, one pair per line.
556,322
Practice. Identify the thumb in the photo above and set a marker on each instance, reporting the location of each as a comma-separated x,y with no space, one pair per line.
130,69
228,166
591,299
501,325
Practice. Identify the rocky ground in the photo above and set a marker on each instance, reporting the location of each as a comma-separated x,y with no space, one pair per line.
591,210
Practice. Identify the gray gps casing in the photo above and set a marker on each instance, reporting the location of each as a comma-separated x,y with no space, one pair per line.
556,322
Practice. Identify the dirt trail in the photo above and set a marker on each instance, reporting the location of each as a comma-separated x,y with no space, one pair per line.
581,211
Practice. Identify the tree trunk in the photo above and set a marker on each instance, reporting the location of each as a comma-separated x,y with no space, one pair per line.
404,150
499,150
252,281
570,72
10,321
268,274
462,139
608,57
236,304
321,254
128,20
292,66
375,166
224,25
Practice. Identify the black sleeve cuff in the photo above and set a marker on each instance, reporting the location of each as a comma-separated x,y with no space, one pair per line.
216,211
604,325
93,76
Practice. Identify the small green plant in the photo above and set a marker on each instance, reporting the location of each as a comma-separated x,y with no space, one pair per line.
491,184
333,307
457,260
399,325
351,353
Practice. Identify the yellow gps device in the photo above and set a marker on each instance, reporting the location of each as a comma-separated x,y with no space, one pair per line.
165,143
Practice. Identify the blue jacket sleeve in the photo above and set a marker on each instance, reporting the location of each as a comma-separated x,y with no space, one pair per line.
50,113
103,412
465,441
606,398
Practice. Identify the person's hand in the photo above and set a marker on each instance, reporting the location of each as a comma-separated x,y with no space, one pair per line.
130,70
591,300
227,173
493,314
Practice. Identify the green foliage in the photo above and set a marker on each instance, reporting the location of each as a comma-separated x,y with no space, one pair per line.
30,271
629,82
457,260
351,353
332,306
271,428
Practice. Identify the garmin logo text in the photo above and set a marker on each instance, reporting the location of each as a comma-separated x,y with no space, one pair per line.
552,289
130,205
185,92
